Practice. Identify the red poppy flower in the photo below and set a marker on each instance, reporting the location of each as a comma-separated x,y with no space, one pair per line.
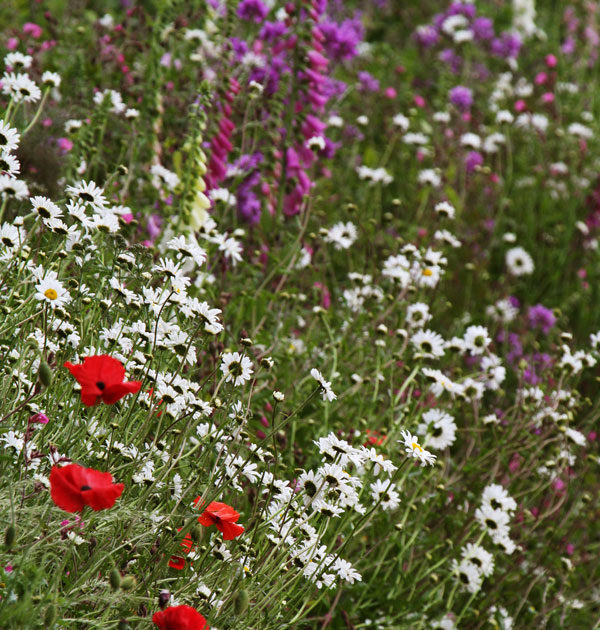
179,618
101,378
177,562
224,517
72,487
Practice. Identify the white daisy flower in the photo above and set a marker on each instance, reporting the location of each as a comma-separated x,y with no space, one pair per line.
428,343
45,208
519,262
51,79
342,235
468,575
9,165
88,192
18,61
9,137
236,368
50,291
477,339
326,390
439,428
479,557
414,449
20,88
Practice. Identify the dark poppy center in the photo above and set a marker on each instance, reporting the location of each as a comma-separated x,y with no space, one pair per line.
85,488
100,385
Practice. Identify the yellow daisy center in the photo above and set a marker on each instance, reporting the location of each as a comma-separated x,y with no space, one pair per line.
417,447
427,272
51,294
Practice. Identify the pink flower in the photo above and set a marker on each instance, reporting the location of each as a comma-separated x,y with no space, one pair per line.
64,144
12,43
520,106
548,97
551,61
390,93
29,28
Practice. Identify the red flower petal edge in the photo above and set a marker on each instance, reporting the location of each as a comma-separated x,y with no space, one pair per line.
73,486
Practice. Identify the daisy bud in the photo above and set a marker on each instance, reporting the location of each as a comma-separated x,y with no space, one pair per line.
246,341
9,536
122,169
128,583
45,374
240,602
115,579
586,497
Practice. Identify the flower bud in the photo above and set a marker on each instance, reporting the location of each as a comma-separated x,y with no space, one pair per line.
9,536
128,583
240,602
115,579
45,374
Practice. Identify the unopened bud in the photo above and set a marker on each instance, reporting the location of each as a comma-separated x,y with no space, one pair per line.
45,374
240,602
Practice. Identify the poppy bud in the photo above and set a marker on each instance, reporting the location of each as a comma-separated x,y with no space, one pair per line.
45,374
9,536
128,583
240,602
115,579
196,534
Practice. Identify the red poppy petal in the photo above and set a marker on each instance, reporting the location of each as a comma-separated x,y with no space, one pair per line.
176,562
230,530
206,519
226,513
179,618
103,497
115,392
63,489
89,398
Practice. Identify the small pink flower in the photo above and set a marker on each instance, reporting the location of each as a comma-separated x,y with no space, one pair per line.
390,93
558,484
551,61
47,122
419,101
570,549
520,105
541,78
264,421
12,43
548,97
8,568
29,28
64,144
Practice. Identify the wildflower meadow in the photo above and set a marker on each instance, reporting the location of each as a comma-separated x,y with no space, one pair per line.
300,314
